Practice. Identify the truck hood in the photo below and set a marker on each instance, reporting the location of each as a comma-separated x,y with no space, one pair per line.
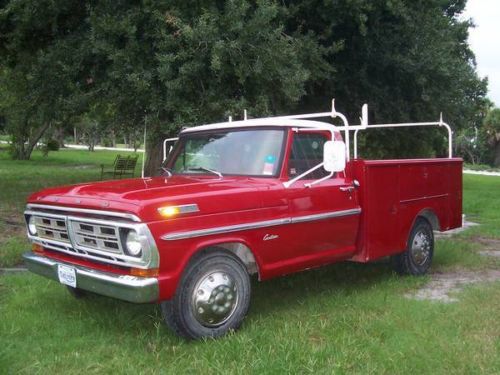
142,196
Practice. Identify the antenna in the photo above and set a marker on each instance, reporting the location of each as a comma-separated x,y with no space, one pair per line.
144,154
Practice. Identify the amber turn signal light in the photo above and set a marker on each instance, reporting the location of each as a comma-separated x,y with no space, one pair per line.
150,272
168,211
36,248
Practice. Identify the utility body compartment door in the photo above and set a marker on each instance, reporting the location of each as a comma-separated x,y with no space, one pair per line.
393,193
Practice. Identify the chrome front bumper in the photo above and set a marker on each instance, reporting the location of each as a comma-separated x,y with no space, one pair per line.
124,287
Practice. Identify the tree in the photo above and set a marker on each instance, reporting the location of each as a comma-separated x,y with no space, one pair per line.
41,67
171,64
492,130
409,60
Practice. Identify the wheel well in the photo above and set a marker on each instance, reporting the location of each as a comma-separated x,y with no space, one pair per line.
431,217
242,251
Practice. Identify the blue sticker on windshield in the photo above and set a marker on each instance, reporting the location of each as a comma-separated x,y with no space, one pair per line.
269,165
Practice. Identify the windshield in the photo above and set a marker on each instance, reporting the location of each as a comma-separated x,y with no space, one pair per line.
255,152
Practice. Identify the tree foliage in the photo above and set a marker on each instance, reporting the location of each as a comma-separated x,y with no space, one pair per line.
182,64
409,60
40,67
491,129
169,64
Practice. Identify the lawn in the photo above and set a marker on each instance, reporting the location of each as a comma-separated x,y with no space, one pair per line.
18,179
346,318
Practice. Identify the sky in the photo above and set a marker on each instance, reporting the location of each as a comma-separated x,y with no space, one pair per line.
484,40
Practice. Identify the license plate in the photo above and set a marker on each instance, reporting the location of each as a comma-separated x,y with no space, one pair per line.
67,275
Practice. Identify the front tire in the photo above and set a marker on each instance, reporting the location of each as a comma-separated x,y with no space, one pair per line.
417,257
212,298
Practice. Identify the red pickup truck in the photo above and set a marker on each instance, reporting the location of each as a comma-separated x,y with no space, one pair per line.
264,196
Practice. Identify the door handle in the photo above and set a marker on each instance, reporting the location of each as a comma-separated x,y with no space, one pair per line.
348,189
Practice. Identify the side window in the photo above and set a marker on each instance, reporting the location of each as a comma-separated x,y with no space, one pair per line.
307,152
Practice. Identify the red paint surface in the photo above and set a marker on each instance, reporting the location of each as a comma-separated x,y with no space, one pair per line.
391,195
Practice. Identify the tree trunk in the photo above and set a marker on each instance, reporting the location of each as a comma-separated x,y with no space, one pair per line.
153,156
59,136
33,140
19,153
496,160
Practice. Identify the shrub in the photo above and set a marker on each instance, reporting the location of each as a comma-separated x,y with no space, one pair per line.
52,145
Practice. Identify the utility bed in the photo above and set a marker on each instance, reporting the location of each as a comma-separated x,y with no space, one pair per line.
394,192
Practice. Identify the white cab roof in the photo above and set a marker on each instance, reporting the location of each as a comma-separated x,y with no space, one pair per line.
284,122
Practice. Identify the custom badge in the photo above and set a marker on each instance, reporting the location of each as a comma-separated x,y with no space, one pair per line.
268,237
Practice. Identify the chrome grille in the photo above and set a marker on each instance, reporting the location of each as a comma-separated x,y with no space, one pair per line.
52,228
96,236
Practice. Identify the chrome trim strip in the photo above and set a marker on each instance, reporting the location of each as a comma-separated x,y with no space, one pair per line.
52,216
226,229
326,215
422,198
57,246
259,224
124,287
85,211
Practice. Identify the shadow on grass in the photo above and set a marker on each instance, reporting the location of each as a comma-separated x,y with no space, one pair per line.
270,299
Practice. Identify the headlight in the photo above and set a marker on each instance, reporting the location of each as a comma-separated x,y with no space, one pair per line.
132,243
32,226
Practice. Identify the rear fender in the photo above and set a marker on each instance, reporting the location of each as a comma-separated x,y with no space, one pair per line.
427,214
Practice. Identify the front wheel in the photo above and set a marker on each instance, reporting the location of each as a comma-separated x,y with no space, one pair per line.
212,298
417,257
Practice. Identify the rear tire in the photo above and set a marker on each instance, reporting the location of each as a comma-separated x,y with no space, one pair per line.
212,298
417,257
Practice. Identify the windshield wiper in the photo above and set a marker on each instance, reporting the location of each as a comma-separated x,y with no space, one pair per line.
205,169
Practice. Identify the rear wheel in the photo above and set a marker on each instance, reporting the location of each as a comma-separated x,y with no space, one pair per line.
212,298
417,257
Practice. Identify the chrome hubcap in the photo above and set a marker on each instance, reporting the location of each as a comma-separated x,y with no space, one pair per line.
214,298
421,248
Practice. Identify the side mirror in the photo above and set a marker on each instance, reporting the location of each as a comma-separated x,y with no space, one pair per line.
334,156
168,144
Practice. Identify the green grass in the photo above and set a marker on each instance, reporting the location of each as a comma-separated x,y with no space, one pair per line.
21,178
350,318
480,167
18,179
346,318
482,204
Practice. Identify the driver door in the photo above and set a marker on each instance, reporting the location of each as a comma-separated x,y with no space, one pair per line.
325,215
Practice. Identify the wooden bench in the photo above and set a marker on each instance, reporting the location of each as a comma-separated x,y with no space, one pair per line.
123,166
